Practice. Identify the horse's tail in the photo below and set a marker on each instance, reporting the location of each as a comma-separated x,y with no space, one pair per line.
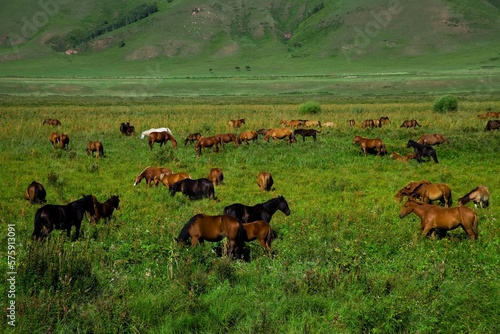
434,156
101,151
269,236
475,224
184,233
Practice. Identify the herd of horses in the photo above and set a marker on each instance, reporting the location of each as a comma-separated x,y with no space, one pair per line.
241,223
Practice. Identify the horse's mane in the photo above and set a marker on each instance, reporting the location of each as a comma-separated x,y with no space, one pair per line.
141,173
184,233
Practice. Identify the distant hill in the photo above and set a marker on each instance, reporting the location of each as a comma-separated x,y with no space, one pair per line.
191,38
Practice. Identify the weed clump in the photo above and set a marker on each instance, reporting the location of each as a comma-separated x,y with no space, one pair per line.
446,103
310,108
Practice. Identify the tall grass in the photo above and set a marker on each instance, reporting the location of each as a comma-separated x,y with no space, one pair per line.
344,262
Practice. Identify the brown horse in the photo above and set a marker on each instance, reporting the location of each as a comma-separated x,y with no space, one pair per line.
412,123
493,114
95,146
205,142
149,174
294,123
203,227
407,157
368,123
310,123
54,139
104,210
52,121
228,137
370,145
127,129
284,133
192,138
236,123
306,133
434,139
493,124
265,181
351,122
427,192
479,195
444,219
63,141
35,193
246,136
384,120
260,230
162,138
170,178
216,176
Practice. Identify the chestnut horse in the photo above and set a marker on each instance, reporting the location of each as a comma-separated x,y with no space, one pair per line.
147,132
479,195
170,178
227,138
443,219
236,123
412,123
427,192
54,139
265,181
370,145
246,136
35,193
149,174
201,227
63,141
283,133
104,210
95,146
216,176
404,158
192,138
52,121
260,230
162,138
434,139
205,142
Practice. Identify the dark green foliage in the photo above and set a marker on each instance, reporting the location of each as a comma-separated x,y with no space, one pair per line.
310,107
446,103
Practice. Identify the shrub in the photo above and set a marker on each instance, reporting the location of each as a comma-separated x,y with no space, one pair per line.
446,103
310,108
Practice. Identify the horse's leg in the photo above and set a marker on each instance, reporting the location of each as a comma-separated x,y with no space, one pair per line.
77,227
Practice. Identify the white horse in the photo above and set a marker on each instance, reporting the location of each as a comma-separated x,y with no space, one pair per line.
147,132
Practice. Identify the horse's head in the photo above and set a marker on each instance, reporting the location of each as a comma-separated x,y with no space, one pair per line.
283,206
407,208
115,201
411,143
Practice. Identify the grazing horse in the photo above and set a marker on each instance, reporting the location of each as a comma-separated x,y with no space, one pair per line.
263,132
493,124
309,123
444,219
194,189
35,193
52,121
479,195
205,142
192,138
162,138
62,217
149,173
263,211
265,181
427,192
434,139
170,178
260,230
384,120
294,123
236,123
422,151
493,114
412,123
54,139
147,132
351,122
227,138
370,145
283,133
105,210
368,123
246,136
201,227
216,176
63,141
127,129
404,158
306,133
95,146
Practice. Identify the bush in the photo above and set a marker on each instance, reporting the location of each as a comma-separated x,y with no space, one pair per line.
446,103
310,108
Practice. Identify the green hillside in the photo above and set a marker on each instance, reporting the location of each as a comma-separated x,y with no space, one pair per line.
186,38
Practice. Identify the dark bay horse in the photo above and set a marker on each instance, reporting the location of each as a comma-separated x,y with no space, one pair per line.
422,151
35,193
63,141
62,217
265,181
479,195
104,210
192,138
203,227
493,124
194,189
95,146
263,211
127,129
306,133
52,121
226,138
443,219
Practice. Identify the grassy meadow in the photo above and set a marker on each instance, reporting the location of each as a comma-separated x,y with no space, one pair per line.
344,261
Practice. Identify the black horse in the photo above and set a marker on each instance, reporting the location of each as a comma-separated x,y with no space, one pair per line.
423,151
263,211
195,189
62,217
127,129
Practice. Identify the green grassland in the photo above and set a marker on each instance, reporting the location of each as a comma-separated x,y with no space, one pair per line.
344,261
